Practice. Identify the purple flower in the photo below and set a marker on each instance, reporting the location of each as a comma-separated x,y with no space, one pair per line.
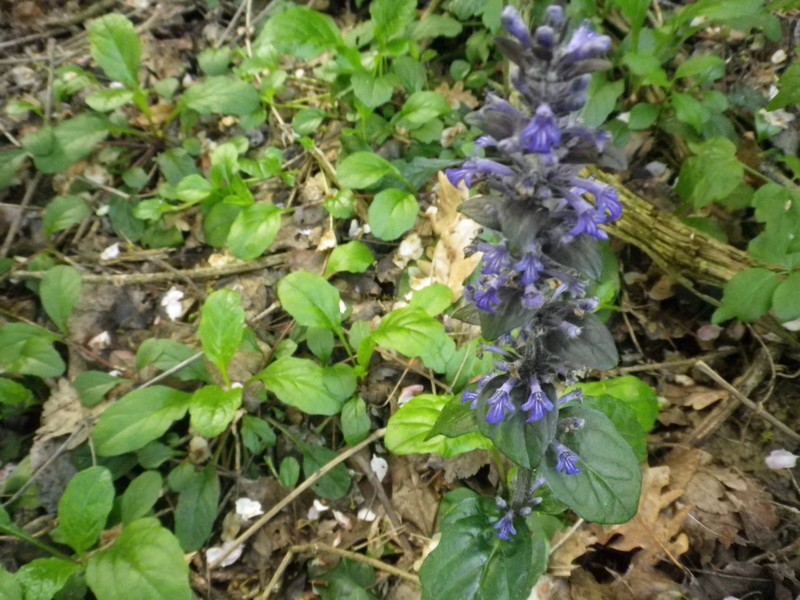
495,259
538,404
474,167
606,198
571,330
545,36
513,23
554,14
567,460
585,224
500,402
486,298
530,266
585,43
576,394
542,133
505,526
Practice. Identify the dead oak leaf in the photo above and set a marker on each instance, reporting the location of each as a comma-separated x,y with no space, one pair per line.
456,95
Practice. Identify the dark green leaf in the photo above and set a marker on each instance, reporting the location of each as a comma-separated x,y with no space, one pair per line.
374,91
257,434
455,419
42,578
92,386
335,484
197,509
28,350
289,472
352,257
145,562
301,32
56,148
84,508
349,580
624,419
166,354
711,175
786,299
608,486
137,419
362,170
302,383
391,17
788,88
433,26
355,421
10,162
63,212
629,390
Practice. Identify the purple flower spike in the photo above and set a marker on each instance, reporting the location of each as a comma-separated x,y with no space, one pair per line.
538,404
567,460
554,14
585,43
505,526
529,266
542,133
495,259
500,403
545,36
513,23
487,299
576,394
474,167
571,330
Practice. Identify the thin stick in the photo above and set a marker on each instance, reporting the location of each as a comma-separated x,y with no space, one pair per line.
367,560
17,222
265,518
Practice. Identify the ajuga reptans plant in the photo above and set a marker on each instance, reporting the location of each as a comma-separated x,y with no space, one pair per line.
545,221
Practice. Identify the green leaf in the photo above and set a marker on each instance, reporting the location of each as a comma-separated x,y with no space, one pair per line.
197,508
10,589
608,487
455,419
42,578
374,91
409,331
140,496
471,562
643,116
352,257
222,95
631,391
54,149
212,409
391,17
711,175
335,484
116,47
63,212
307,120
312,301
786,299
145,562
392,213
421,108
109,100
257,434
625,422
409,429
349,579
222,327
166,354
748,296
601,103
690,110
28,350
355,421
301,32
647,67
361,170
214,61
14,394
92,386
302,383
433,299
788,88
60,291
84,508
433,26
289,472
10,162
635,11
137,419
703,67
254,230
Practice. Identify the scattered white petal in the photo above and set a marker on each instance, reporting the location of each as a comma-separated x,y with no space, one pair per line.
116,85
100,342
408,392
781,459
172,303
777,118
115,373
792,325
624,117
220,259
247,508
327,241
778,57
355,229
111,252
342,307
214,552
343,520
316,510
367,515
237,385
379,466
410,249
103,210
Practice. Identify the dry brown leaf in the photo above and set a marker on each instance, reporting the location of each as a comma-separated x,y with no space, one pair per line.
656,529
697,397
569,545
63,414
413,501
456,95
449,265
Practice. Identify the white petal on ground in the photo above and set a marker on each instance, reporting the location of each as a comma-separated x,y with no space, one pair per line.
781,459
343,520
172,303
247,508
111,252
213,553
367,515
316,510
379,466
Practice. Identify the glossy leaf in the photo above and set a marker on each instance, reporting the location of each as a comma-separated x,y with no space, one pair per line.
302,383
213,408
196,510
222,95
392,213
335,484
311,300
608,486
84,508
60,292
42,578
352,257
254,230
140,496
222,327
301,32
116,47
28,350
